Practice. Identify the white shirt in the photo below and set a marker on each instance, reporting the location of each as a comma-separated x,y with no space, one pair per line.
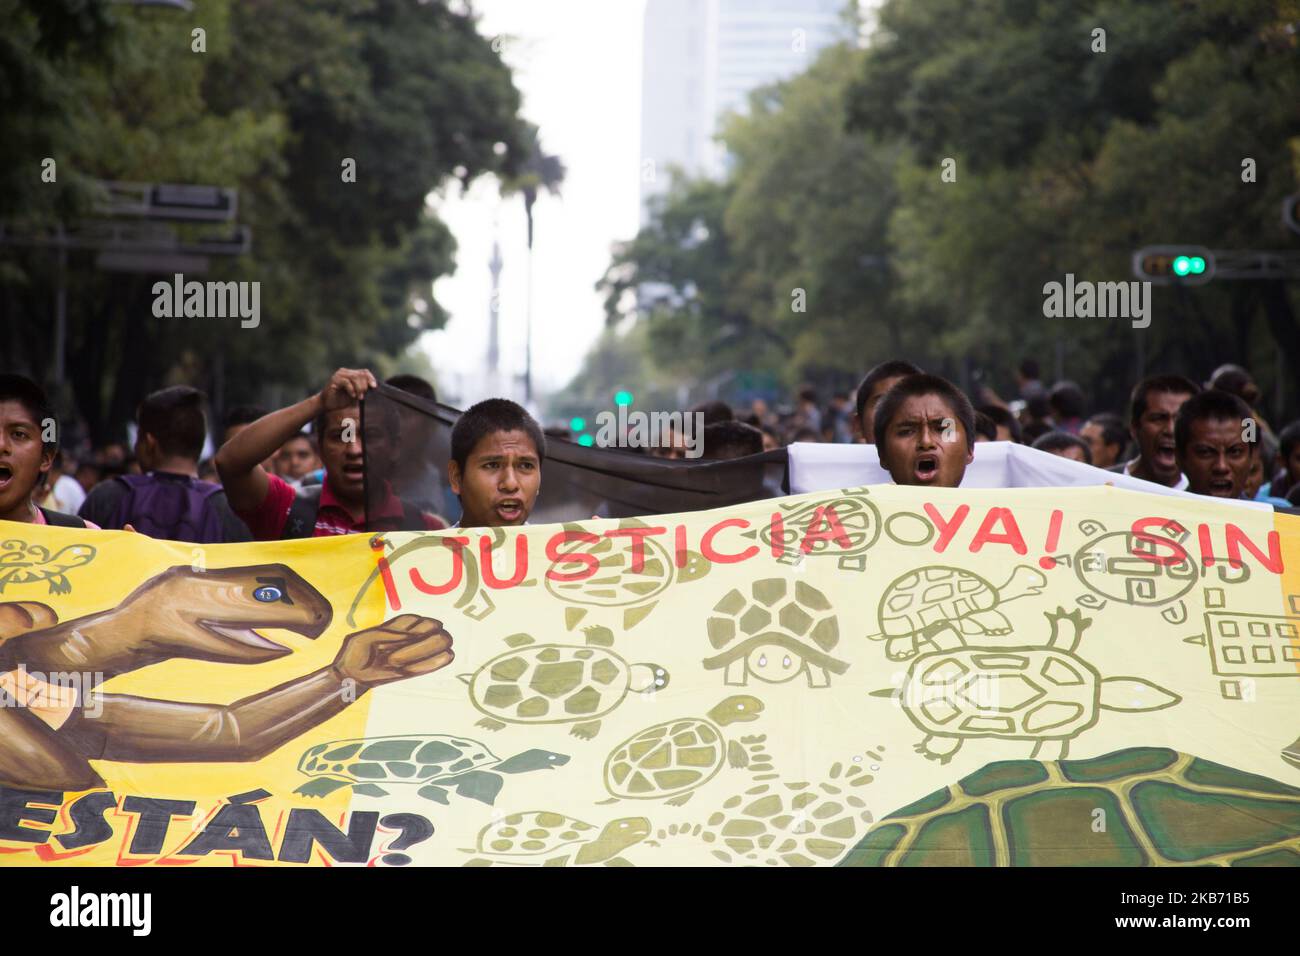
66,496
1180,486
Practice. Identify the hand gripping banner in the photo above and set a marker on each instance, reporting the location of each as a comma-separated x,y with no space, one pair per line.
875,676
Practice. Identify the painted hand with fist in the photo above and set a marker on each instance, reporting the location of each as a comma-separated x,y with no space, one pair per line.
406,646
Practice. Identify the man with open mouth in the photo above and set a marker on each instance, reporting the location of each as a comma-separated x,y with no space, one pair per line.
1213,439
1154,407
274,509
924,428
497,450
27,446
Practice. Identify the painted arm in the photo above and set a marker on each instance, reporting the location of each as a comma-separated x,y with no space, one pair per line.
33,757
141,730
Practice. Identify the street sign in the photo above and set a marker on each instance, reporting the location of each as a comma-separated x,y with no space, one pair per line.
152,263
180,202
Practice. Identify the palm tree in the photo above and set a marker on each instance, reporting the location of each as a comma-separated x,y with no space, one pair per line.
538,171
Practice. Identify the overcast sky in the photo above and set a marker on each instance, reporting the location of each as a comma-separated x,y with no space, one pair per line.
578,65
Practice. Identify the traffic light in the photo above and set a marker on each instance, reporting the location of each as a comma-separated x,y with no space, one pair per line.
585,440
622,397
577,424
1166,265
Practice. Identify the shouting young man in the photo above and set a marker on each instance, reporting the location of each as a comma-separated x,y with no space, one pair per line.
924,428
497,450
1210,437
25,455
1153,410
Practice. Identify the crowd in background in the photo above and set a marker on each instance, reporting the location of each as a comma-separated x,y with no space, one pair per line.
1057,419
300,471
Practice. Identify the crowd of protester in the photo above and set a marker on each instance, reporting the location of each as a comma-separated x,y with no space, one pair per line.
300,471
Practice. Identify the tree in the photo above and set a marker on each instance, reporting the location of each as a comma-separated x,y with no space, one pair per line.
784,266
1069,160
284,96
1066,160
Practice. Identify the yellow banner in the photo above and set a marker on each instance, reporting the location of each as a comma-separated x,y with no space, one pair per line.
877,676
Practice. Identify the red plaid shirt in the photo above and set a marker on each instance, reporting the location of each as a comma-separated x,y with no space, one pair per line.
268,519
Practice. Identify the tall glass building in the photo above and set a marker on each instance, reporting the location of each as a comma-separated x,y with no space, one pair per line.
702,58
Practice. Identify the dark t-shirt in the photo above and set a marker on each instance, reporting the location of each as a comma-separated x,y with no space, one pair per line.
101,505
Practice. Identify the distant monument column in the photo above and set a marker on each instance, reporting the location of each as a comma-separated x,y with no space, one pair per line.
494,310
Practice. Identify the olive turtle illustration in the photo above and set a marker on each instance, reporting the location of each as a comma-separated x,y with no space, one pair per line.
1150,569
1046,694
915,606
1249,646
670,761
558,683
436,762
791,824
23,563
1161,808
617,580
545,838
850,509
775,634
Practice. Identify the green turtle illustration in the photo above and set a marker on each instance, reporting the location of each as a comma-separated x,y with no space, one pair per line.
791,824
23,563
1246,647
1046,694
670,761
545,838
853,511
915,606
1291,753
616,583
435,762
1160,808
774,635
558,683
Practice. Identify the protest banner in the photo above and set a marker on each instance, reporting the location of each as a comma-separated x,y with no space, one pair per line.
872,676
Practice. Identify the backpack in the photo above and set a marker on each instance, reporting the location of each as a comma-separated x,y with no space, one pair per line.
301,522
177,509
58,519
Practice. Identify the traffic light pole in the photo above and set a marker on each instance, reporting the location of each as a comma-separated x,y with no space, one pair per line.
1160,265
1248,264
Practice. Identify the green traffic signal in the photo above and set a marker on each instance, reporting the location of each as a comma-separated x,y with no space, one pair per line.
622,397
585,440
577,424
1187,265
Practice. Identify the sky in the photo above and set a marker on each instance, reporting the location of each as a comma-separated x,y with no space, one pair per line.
577,64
